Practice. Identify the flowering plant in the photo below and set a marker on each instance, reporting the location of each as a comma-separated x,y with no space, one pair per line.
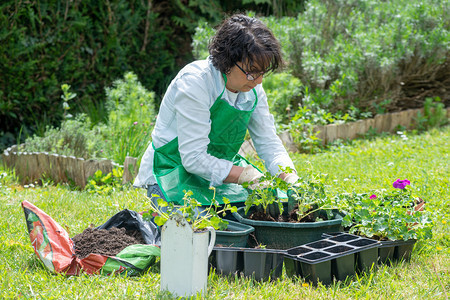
401,184
387,215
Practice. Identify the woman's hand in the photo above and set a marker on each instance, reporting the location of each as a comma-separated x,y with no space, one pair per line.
290,178
249,174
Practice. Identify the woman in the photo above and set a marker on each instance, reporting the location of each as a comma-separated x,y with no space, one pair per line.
205,114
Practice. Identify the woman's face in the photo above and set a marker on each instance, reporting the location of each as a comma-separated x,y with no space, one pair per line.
237,80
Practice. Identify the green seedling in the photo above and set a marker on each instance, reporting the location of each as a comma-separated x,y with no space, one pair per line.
199,219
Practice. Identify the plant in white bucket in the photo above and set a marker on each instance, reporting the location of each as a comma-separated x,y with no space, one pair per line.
184,243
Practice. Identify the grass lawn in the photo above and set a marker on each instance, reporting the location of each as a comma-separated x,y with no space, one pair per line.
361,166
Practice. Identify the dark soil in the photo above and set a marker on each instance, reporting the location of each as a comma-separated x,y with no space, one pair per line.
107,242
291,217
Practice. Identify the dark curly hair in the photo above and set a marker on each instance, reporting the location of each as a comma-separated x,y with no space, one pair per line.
248,40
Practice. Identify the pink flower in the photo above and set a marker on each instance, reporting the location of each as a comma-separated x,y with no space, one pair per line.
373,197
135,123
401,184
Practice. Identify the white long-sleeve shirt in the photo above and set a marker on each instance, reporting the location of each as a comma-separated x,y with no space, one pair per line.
184,113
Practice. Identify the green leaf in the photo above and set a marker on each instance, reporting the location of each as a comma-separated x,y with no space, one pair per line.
160,221
161,202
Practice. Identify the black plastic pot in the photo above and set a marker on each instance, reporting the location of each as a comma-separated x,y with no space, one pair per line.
262,264
259,264
285,235
337,255
365,259
386,254
391,251
236,235
227,260
404,250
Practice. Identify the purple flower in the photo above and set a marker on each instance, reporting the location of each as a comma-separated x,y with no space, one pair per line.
400,184
373,197
135,123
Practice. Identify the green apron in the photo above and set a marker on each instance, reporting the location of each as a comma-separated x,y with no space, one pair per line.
228,129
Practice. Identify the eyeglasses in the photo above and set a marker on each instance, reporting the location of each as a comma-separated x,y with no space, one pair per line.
250,77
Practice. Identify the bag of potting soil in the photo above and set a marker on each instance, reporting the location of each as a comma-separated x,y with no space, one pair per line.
57,250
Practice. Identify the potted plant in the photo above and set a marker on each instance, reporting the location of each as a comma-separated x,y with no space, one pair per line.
187,239
396,217
302,218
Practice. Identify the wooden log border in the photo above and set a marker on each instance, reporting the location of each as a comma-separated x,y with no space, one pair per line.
30,167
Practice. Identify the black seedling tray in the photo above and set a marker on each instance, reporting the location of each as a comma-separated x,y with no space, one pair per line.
388,251
391,251
260,264
336,255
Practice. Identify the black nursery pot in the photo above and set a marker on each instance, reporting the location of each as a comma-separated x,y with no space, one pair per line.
391,251
404,250
259,264
386,254
365,259
236,235
317,267
227,262
262,264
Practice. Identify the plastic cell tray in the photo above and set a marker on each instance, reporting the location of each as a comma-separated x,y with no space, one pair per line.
260,264
391,251
388,251
335,256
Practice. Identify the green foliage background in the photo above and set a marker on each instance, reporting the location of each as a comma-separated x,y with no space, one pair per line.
346,60
88,44
361,57
85,43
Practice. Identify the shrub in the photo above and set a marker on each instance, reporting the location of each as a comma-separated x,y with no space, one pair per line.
434,114
283,93
73,138
131,118
86,44
363,52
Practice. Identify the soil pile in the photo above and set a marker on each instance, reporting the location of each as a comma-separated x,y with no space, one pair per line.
105,241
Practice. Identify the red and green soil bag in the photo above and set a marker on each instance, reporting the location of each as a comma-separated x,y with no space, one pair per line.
56,249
